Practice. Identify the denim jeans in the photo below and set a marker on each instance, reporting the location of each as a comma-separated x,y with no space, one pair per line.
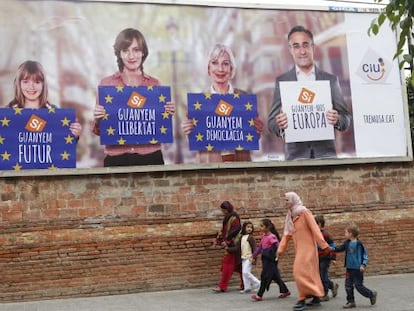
324,272
355,278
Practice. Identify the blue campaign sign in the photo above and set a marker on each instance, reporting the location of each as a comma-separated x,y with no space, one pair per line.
135,115
36,139
222,122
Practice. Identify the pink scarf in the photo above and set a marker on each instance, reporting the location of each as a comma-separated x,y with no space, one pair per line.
294,211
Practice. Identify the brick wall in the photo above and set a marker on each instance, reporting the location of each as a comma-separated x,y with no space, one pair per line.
68,236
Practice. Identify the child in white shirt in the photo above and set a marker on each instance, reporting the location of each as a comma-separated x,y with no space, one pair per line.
247,247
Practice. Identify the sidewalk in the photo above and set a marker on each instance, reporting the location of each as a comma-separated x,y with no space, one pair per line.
395,293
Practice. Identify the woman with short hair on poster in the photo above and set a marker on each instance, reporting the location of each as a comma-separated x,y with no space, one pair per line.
131,51
221,68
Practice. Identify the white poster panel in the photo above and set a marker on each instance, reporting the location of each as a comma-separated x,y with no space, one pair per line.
306,104
377,96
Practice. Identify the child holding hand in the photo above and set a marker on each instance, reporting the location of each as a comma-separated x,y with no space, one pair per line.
270,271
356,260
325,259
247,247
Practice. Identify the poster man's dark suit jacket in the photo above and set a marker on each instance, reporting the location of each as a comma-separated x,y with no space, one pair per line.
312,149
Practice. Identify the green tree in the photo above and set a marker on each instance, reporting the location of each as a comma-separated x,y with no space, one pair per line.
400,14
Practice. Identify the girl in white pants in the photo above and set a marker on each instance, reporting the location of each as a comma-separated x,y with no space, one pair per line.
247,247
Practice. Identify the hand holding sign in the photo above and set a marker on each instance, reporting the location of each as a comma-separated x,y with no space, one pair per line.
306,104
43,136
222,122
332,116
282,120
135,115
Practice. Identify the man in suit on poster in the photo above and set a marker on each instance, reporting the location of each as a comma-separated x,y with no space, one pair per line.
301,48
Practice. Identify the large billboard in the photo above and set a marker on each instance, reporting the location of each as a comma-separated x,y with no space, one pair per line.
322,90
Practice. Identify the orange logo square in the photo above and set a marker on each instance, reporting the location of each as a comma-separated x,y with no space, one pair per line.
223,108
306,96
35,124
136,100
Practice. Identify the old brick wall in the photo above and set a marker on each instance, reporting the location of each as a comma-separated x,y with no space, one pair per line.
67,236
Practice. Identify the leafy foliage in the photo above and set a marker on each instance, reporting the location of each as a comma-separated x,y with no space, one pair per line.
400,14
410,98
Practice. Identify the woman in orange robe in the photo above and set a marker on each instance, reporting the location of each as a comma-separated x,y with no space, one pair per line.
300,226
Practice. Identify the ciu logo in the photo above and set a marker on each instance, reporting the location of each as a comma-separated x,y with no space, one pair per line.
306,96
136,100
223,108
35,124
374,71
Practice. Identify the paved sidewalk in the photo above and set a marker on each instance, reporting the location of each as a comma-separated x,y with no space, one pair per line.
395,293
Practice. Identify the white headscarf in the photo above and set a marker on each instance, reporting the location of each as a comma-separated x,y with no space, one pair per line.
295,210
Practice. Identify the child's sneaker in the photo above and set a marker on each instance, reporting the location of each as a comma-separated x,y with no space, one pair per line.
245,291
349,305
315,302
373,299
257,298
325,298
335,290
